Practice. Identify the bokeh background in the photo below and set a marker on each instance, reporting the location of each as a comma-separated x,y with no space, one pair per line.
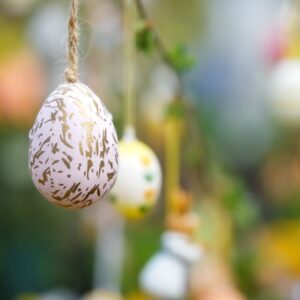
239,65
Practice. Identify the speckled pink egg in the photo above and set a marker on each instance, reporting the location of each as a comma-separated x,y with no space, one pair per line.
73,154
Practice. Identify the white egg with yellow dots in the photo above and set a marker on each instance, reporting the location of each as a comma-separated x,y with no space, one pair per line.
73,154
138,185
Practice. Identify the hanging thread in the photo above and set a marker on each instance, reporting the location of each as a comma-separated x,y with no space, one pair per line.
71,73
129,63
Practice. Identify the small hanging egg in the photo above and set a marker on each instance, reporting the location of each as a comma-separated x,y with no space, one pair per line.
73,155
139,181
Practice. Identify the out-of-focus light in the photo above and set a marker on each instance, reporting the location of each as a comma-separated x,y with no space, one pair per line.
22,86
108,28
17,7
47,29
162,89
59,294
101,295
274,45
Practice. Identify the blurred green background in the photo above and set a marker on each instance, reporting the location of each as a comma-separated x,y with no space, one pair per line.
239,75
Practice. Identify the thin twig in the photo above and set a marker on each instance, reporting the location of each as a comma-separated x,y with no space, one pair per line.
157,39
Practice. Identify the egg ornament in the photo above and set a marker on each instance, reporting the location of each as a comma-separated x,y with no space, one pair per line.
284,90
73,154
138,185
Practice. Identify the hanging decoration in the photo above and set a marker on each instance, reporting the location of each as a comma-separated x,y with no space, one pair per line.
138,185
73,155
167,274
139,182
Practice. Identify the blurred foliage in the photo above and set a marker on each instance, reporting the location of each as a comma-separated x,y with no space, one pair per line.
176,109
145,37
244,260
242,207
12,36
181,59
142,240
41,246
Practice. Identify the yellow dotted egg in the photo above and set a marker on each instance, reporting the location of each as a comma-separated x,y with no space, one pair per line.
139,181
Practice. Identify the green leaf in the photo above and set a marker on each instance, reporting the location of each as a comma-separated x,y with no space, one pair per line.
144,38
180,58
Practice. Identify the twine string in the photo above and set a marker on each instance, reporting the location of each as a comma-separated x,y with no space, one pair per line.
71,73
129,64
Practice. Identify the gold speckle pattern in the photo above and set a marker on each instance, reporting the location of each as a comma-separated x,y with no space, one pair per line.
73,154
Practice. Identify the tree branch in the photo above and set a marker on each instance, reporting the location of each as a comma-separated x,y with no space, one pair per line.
157,39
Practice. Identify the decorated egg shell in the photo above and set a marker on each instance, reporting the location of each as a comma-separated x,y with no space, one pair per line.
73,155
139,181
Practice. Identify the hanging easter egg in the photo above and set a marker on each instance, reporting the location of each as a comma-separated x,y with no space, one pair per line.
139,181
73,156
285,91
